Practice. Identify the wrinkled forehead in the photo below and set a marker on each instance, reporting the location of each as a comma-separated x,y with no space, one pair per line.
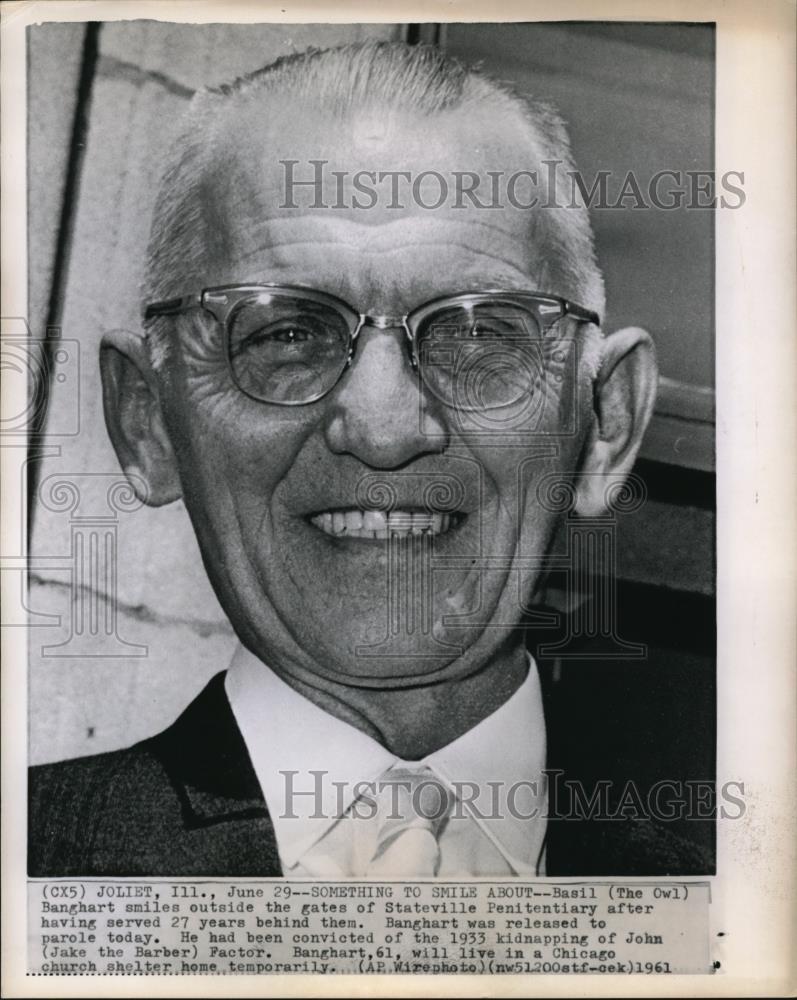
277,160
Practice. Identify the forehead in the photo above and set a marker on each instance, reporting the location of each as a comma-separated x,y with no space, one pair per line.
285,189
487,134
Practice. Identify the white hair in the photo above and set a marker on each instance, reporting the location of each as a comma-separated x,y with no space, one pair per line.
344,83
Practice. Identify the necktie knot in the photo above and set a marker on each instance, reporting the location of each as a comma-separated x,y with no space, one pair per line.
413,808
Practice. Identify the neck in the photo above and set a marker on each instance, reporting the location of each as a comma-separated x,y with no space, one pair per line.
414,722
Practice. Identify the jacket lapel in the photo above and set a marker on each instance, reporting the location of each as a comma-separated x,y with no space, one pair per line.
207,762
578,845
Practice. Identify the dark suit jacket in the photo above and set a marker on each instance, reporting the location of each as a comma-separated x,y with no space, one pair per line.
187,802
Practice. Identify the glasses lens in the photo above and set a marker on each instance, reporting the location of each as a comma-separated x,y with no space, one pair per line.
284,348
481,356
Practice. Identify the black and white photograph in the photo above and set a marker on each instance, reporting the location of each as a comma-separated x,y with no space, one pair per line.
369,467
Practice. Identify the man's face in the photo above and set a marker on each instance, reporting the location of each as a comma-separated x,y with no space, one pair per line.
270,487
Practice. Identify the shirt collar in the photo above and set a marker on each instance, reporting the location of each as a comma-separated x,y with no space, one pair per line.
308,763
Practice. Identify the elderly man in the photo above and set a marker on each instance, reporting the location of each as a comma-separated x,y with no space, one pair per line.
357,396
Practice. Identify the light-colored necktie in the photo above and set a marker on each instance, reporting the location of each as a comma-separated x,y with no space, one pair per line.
413,808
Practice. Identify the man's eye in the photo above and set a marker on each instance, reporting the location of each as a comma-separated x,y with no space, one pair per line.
507,323
484,329
289,334
279,335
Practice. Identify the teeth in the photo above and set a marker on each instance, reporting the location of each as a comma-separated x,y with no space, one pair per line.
353,521
399,523
374,520
377,524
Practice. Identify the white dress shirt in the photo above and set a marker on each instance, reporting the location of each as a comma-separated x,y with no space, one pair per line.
321,777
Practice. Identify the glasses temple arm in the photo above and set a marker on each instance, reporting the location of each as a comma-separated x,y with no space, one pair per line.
170,307
587,315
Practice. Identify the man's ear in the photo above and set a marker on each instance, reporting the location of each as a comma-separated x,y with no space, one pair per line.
134,419
624,395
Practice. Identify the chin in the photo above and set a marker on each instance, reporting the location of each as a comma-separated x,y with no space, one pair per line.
381,656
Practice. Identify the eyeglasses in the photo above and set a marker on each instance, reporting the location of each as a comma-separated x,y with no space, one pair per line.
289,345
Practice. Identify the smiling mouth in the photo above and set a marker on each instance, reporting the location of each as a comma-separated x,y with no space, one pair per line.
355,523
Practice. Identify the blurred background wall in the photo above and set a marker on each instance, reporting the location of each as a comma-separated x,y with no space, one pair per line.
102,101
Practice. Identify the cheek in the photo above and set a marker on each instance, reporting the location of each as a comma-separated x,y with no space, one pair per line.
541,433
530,476
232,453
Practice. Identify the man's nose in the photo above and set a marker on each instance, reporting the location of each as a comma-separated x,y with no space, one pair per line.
380,412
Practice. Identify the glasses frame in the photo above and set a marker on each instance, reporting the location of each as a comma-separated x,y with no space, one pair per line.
223,301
